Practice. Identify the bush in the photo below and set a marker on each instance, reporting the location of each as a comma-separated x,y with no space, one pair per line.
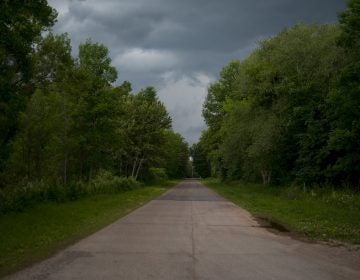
16,199
105,182
157,175
19,198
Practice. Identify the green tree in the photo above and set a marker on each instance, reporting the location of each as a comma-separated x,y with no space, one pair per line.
200,162
21,23
97,107
94,59
175,155
214,113
145,120
268,118
52,60
48,115
344,102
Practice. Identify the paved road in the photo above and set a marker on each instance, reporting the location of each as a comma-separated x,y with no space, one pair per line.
192,233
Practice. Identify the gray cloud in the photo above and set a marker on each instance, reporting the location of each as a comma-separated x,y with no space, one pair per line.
180,46
183,96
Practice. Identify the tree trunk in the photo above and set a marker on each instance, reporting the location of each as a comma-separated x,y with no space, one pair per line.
65,169
90,171
263,176
139,167
266,176
81,166
127,169
134,167
120,168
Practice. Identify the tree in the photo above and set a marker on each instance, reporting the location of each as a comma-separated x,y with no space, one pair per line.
52,60
350,27
343,149
200,163
97,107
175,155
144,124
214,113
94,59
268,115
75,117
42,146
21,23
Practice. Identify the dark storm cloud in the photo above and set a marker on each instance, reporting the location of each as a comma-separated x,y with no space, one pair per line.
189,25
171,43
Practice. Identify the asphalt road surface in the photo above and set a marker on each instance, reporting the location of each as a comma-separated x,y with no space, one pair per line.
192,233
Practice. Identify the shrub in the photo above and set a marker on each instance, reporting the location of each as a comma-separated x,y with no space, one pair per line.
18,198
105,182
21,197
157,175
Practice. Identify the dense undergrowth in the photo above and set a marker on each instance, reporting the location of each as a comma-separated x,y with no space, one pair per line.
31,193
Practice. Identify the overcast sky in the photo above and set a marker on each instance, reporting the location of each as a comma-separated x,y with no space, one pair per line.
179,46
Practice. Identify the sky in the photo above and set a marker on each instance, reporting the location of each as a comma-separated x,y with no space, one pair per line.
180,46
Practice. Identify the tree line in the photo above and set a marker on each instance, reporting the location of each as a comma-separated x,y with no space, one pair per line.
290,111
62,118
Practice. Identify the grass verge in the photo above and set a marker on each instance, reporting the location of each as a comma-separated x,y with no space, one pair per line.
38,232
320,214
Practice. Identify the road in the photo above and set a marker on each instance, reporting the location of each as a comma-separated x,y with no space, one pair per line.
192,233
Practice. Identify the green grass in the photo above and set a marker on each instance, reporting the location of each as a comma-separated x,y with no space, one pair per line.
321,214
40,231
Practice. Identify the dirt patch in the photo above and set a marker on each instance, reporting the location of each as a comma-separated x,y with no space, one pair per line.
279,228
271,224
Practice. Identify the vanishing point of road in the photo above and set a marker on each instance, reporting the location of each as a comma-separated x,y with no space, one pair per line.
190,232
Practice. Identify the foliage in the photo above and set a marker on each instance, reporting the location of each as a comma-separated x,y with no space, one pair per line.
32,193
175,155
77,132
157,175
200,163
344,102
146,120
105,182
21,23
289,111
